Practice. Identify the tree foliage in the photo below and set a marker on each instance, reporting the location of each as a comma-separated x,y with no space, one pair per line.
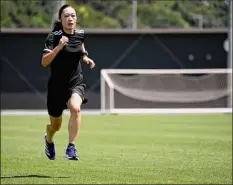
118,13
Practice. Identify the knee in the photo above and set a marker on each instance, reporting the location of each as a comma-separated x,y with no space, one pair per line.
75,105
56,127
55,123
75,110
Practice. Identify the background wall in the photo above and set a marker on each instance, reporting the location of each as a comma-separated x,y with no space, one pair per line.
24,80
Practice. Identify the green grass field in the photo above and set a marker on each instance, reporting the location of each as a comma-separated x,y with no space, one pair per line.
161,149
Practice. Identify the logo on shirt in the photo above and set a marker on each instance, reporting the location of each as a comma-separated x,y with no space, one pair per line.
57,32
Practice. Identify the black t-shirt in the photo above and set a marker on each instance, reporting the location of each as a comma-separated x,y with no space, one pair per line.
66,67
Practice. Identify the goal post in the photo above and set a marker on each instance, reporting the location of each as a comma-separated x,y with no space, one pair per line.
170,91
107,90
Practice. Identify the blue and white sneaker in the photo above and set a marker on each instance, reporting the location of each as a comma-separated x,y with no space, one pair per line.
49,149
71,153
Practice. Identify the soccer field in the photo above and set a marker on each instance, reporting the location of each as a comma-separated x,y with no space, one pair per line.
129,149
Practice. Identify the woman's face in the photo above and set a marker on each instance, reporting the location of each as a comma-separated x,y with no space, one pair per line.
68,18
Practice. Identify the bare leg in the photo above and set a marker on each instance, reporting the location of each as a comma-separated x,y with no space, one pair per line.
53,127
75,117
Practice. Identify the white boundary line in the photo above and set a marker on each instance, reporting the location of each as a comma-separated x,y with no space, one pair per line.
124,111
173,111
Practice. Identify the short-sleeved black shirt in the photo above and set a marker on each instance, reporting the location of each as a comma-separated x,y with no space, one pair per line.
66,70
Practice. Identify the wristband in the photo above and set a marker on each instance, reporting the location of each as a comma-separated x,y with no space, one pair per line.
85,53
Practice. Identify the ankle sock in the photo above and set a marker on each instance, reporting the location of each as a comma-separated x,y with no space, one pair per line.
70,144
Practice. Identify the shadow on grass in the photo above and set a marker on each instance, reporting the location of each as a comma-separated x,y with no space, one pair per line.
31,176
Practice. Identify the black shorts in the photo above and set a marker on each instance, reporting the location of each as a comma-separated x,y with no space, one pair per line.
57,98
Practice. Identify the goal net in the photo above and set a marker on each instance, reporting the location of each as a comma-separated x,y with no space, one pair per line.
166,91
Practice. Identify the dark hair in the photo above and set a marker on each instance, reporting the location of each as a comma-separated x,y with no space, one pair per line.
57,25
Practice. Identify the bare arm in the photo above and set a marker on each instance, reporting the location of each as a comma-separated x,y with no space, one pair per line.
84,51
83,48
86,59
47,58
85,55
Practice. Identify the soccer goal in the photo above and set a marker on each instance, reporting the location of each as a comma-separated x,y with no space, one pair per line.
157,91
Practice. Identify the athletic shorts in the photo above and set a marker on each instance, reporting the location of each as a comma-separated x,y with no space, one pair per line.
57,98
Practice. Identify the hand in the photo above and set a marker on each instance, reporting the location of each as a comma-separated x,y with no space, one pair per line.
63,42
89,61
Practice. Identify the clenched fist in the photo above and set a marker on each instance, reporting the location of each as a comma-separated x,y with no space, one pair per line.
89,61
63,42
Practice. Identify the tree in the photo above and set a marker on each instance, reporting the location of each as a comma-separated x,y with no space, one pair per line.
118,13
